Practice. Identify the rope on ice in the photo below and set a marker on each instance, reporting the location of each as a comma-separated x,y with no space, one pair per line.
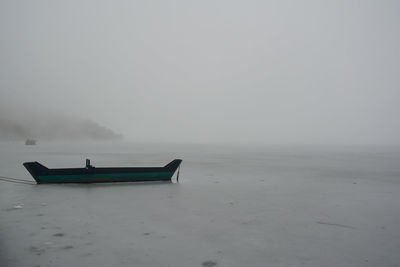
15,180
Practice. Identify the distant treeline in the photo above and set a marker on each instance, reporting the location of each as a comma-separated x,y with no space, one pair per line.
54,128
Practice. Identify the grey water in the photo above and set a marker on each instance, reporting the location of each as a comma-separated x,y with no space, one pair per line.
235,205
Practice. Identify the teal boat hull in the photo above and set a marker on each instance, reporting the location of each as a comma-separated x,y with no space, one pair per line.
90,174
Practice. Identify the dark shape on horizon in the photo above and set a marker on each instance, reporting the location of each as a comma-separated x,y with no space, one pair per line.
91,174
54,127
30,142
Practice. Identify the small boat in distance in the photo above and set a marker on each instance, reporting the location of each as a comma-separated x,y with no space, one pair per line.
91,174
30,142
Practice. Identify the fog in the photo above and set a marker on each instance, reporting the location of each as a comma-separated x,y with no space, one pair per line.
52,128
274,72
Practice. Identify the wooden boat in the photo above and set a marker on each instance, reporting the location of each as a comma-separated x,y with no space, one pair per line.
91,174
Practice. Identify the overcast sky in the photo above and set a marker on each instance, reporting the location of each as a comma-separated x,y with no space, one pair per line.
208,71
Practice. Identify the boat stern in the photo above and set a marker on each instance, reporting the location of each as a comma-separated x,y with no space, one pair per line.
173,165
36,169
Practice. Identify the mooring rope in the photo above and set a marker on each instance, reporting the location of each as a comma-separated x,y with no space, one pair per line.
15,180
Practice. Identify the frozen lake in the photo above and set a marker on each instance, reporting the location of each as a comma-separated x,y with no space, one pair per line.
234,206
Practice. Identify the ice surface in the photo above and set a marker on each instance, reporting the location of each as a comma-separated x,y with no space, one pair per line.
234,206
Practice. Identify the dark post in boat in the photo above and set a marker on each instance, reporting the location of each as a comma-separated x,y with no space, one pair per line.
91,174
